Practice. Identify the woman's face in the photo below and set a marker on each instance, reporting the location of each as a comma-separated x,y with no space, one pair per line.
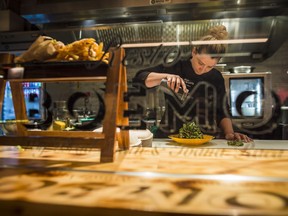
203,63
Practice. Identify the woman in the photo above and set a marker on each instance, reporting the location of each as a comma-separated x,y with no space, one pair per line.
198,76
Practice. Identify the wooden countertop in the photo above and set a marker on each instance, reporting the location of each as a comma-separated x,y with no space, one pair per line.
159,180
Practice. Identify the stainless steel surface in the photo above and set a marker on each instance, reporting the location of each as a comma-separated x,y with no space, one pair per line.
145,22
110,11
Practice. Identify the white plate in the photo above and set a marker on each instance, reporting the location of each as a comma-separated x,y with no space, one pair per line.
136,143
133,137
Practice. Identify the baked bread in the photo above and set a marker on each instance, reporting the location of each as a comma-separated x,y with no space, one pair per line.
42,49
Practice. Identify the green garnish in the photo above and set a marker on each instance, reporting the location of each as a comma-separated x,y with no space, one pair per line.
190,131
20,148
235,143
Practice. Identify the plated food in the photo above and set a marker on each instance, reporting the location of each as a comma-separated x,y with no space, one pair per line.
190,133
83,50
187,141
240,144
235,143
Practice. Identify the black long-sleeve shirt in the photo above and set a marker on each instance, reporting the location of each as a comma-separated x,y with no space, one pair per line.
205,104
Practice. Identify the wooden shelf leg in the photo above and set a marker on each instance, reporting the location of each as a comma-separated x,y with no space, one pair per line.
19,106
116,85
2,92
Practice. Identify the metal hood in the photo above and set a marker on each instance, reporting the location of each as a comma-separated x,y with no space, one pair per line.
156,21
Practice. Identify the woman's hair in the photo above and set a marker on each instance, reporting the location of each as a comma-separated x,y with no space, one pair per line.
218,32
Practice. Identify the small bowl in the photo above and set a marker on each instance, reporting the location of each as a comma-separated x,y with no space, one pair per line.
242,69
145,136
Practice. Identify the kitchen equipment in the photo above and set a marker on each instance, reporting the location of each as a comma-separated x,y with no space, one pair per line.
169,21
284,115
60,110
250,99
61,116
34,98
242,69
221,67
181,95
284,121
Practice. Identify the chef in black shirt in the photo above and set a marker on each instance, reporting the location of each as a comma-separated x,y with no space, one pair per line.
202,89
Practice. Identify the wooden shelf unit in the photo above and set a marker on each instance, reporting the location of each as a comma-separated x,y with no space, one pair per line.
116,85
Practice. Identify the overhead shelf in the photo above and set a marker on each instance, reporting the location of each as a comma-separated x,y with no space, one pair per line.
116,85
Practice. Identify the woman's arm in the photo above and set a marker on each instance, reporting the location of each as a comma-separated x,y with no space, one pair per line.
226,125
174,82
154,79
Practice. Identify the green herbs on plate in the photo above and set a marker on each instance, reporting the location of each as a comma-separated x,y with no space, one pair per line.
190,131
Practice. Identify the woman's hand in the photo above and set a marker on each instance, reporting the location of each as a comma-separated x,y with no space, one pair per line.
238,136
175,82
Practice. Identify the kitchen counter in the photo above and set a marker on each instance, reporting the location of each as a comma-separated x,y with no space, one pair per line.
220,143
165,179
